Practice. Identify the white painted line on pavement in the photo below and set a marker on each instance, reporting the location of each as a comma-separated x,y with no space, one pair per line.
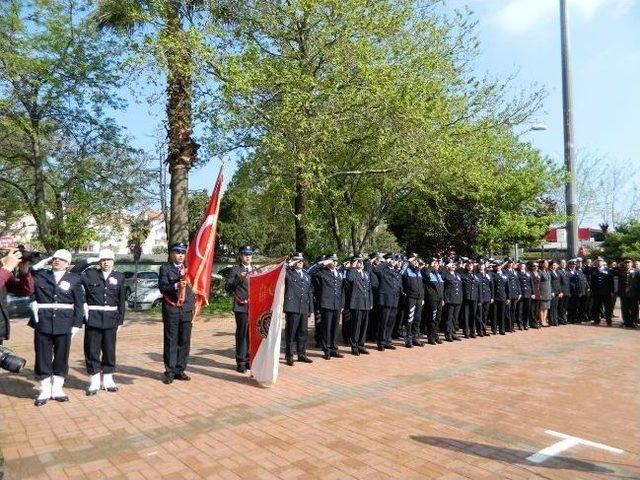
565,444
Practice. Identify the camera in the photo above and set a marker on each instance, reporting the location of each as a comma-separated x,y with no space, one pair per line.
10,362
27,255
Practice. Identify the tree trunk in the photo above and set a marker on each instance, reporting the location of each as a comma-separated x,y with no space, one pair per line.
298,212
335,229
182,149
354,239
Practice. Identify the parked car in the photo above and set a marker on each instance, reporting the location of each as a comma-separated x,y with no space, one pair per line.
145,278
146,297
18,307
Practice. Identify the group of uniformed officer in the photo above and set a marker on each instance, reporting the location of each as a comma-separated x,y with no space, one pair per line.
378,299
386,297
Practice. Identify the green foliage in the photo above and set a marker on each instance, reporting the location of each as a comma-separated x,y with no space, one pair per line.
623,243
359,113
59,152
198,203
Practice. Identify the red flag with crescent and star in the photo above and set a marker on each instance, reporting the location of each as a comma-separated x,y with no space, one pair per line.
201,251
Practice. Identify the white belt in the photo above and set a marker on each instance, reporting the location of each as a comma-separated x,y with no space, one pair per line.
103,308
56,306
35,306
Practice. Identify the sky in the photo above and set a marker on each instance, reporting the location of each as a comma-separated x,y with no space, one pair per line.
523,37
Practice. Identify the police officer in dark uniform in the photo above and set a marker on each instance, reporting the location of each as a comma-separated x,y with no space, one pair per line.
317,318
413,289
626,293
452,300
177,313
359,302
389,290
369,265
500,298
565,288
105,296
329,285
298,305
485,298
513,290
434,301
556,294
470,295
57,315
584,300
601,292
523,312
238,285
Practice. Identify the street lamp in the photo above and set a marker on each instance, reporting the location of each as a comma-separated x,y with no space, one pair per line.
567,111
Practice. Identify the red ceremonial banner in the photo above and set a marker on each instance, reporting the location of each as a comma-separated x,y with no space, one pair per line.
262,288
201,252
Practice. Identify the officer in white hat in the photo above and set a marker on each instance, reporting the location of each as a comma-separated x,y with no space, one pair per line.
104,315
57,315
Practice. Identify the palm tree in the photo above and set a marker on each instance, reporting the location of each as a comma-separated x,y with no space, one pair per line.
166,20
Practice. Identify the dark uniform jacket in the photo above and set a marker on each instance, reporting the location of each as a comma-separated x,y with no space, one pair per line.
239,288
358,290
412,284
100,292
601,281
545,286
526,283
626,283
486,287
389,285
500,282
513,285
329,286
578,283
298,296
565,284
470,286
69,291
434,288
169,276
556,287
452,288
22,286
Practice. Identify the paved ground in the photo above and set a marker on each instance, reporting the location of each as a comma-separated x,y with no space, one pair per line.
471,409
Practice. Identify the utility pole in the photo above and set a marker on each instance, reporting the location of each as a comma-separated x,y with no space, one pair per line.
567,109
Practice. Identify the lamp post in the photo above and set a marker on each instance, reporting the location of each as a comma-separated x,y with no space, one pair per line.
567,110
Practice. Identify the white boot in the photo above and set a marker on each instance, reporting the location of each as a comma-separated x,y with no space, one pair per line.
45,392
95,384
56,391
108,384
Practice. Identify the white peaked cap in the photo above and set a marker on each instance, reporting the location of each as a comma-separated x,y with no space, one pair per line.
106,254
63,254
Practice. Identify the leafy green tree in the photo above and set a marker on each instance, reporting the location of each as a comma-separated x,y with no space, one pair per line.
624,242
60,155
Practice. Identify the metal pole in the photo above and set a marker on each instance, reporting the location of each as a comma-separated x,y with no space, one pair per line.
567,109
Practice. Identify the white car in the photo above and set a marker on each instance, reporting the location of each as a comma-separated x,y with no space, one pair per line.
147,297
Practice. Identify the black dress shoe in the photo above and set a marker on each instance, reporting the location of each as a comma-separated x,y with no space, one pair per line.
448,339
381,348
63,398
390,347
337,355
355,351
327,356
458,339
182,376
111,389
91,392
40,402
502,333
438,341
241,369
304,359
289,361
168,379
363,351
408,345
432,342
473,335
417,343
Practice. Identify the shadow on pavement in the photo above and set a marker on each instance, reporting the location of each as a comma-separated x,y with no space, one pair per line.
17,387
508,455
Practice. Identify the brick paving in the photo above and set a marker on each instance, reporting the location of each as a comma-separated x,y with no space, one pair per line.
471,409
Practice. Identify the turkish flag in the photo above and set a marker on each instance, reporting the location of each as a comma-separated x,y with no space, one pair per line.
266,300
201,252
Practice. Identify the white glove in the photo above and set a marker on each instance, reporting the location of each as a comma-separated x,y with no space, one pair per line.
74,330
41,264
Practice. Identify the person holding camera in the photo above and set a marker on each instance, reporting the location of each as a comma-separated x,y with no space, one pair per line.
57,315
21,285
104,315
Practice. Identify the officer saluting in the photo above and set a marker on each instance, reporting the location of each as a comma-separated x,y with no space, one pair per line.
238,285
177,313
329,285
57,315
105,296
298,305
359,301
